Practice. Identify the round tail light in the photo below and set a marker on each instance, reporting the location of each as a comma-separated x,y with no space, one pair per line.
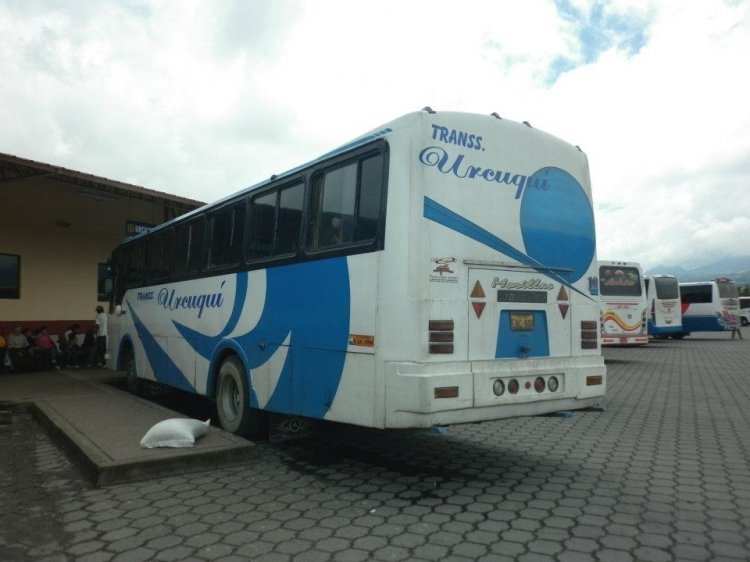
553,384
498,387
539,384
513,386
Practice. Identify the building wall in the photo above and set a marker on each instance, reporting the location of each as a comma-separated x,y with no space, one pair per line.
61,235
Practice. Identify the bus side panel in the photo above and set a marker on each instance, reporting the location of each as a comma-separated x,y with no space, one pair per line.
355,398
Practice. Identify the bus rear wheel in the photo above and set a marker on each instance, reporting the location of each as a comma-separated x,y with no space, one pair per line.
233,401
678,336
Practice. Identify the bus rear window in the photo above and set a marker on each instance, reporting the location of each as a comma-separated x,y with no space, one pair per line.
727,290
667,287
615,281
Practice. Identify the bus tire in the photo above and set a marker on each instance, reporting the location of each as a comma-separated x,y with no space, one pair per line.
744,321
134,384
678,336
233,401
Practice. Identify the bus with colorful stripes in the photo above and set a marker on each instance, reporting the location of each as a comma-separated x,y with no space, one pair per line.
439,269
623,304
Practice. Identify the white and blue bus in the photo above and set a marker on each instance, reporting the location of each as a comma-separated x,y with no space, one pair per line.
664,305
438,270
623,304
709,306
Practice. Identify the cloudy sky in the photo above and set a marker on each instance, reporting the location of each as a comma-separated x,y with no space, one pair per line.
200,99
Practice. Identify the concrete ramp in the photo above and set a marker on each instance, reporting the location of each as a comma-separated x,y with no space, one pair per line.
101,427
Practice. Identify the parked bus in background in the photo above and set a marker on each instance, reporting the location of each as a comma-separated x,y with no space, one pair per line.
623,304
709,306
745,310
437,270
663,305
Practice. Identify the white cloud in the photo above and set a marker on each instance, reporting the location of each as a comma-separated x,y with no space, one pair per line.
203,98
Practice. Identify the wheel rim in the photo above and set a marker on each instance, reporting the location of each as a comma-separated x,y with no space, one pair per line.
230,396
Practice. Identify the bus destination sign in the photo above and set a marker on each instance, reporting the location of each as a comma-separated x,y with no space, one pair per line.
504,295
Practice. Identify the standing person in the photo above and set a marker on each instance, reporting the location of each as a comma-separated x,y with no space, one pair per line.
736,331
19,350
101,337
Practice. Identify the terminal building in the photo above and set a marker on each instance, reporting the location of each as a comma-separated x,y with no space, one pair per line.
57,230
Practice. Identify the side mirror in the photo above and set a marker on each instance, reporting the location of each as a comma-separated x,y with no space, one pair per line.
119,311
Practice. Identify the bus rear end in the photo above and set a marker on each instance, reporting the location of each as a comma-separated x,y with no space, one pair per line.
500,314
664,305
623,304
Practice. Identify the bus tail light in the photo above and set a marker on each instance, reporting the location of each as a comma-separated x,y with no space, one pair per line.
441,336
589,334
594,380
446,392
539,384
498,387
513,386
553,384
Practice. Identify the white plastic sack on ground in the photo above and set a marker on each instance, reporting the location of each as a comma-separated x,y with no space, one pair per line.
175,432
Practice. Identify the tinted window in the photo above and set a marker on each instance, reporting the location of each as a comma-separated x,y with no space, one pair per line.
289,220
197,244
10,274
695,293
619,281
666,287
370,196
727,290
227,229
262,226
348,203
136,264
103,282
275,222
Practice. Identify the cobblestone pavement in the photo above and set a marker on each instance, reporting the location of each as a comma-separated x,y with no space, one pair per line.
662,474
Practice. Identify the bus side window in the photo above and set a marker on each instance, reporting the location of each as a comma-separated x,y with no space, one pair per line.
370,196
262,226
348,203
289,219
181,249
197,245
337,192
226,232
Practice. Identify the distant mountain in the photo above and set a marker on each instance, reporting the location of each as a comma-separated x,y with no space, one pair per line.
734,267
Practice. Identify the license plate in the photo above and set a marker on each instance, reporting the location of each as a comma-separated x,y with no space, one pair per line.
521,322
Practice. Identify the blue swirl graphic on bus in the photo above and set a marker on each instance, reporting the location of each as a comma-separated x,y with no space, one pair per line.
308,304
557,224
563,251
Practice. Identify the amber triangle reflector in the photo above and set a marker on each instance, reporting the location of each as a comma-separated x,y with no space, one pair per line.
562,296
563,309
478,308
477,292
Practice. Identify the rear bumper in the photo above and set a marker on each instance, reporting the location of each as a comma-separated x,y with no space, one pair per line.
624,340
411,398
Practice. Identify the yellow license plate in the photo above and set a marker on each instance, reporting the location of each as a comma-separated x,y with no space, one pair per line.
521,322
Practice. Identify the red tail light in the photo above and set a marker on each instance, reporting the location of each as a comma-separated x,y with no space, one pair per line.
589,334
441,336
539,384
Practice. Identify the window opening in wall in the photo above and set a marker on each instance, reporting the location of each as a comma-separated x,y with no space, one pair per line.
104,283
10,276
